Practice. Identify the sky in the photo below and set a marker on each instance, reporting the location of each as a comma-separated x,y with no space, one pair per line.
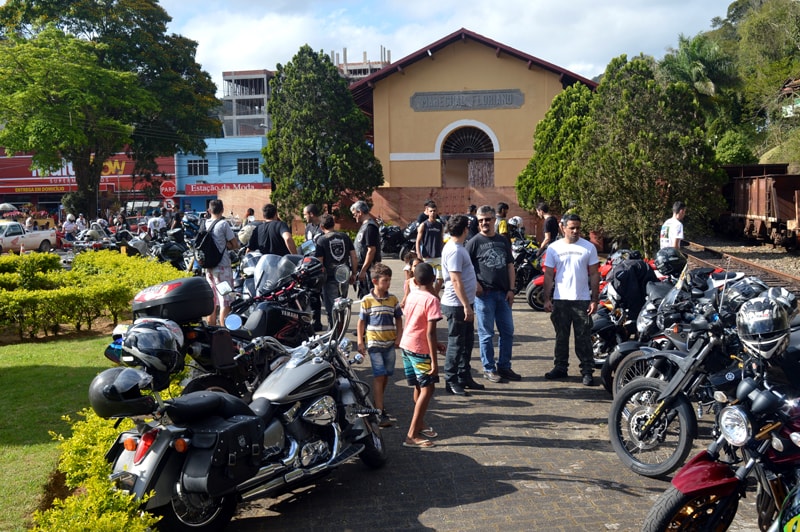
581,36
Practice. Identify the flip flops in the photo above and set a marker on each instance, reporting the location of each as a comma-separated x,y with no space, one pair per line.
429,433
419,444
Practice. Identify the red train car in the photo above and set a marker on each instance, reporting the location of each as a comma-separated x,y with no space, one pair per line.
763,201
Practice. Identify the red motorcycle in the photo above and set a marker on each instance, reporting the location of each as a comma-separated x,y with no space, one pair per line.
759,437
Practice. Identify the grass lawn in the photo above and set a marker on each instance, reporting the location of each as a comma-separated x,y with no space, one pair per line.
40,381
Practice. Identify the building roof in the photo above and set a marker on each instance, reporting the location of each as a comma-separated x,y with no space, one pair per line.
362,89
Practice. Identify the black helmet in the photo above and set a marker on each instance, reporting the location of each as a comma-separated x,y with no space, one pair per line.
117,392
153,345
786,298
763,327
670,261
741,291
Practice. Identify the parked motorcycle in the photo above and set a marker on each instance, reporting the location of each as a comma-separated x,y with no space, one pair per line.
409,239
527,263
759,433
194,457
391,238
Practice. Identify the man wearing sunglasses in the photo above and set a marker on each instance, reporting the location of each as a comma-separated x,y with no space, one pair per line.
494,265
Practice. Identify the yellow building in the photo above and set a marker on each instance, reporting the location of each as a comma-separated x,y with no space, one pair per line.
455,120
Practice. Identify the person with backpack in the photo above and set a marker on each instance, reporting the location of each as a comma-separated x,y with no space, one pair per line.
218,271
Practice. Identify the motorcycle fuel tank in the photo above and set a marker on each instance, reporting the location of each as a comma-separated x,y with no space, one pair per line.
293,383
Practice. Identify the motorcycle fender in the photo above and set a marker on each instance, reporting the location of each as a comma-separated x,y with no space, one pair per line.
623,350
703,474
159,470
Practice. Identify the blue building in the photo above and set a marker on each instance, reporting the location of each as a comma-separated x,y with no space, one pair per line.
229,163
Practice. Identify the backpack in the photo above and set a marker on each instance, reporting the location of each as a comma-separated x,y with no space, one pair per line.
206,252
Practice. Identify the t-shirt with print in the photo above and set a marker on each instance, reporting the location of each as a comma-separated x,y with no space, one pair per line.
379,314
571,263
421,307
334,248
672,229
490,258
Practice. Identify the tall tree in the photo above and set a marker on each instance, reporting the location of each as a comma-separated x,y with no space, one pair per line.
554,143
131,36
316,151
643,149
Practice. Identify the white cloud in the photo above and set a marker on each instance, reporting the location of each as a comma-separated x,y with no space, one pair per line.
581,36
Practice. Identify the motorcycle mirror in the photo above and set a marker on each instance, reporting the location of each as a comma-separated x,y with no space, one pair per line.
224,288
233,322
307,248
795,437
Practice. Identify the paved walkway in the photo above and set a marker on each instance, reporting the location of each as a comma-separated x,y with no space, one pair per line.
529,455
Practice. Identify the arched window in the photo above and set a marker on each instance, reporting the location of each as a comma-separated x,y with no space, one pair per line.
467,143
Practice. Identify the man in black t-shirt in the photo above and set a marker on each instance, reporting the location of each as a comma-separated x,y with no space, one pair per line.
334,249
367,244
273,236
472,224
494,266
550,226
311,216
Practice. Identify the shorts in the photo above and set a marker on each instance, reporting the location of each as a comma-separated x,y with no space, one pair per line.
216,275
382,360
417,369
436,263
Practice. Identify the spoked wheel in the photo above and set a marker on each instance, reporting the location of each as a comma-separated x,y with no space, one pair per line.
534,295
639,365
197,512
675,511
649,443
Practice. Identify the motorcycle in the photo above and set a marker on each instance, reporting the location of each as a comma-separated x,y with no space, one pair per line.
391,237
527,263
409,239
759,434
651,422
191,459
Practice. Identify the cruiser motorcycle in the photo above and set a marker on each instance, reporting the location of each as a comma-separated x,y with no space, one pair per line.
191,459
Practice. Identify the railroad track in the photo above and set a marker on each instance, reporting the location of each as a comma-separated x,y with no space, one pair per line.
704,256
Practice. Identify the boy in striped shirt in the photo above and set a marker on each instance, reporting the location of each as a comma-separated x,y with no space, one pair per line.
380,326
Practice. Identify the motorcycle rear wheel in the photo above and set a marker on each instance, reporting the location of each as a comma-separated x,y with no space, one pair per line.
667,444
675,511
213,514
534,295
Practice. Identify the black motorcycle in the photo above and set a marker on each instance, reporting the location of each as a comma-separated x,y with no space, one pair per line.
527,263
391,238
192,459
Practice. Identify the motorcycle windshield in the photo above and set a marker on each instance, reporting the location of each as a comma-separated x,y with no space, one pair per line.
675,301
271,269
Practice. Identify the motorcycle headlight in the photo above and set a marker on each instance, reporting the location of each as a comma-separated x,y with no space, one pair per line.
735,426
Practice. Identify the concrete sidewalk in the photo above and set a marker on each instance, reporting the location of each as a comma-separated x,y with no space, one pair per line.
529,455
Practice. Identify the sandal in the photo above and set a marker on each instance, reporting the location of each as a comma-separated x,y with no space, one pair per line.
419,444
429,433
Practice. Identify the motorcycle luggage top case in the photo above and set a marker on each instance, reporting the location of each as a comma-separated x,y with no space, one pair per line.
181,300
224,453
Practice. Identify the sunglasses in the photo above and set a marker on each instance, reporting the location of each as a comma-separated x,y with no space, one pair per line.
487,220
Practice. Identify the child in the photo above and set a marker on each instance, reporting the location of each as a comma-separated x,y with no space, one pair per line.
420,348
380,325
408,285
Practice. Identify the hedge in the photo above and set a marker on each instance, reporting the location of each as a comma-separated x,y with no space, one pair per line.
38,295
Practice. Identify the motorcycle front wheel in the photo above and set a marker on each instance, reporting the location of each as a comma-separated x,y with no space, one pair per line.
664,446
197,513
675,511
635,366
374,454
534,295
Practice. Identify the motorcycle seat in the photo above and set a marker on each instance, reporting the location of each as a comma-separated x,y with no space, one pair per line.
201,405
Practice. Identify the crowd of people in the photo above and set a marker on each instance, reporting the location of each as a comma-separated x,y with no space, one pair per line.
467,280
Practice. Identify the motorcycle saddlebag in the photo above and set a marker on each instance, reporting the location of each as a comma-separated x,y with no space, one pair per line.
223,454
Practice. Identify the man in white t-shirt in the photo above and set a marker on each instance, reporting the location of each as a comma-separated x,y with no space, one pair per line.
571,291
672,230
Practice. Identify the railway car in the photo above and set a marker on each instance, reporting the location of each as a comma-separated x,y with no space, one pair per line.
764,201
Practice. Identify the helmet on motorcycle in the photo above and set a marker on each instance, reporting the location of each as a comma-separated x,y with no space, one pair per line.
154,346
786,298
117,392
70,217
517,223
763,327
670,261
739,292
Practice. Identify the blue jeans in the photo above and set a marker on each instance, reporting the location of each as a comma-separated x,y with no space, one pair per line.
460,339
492,308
